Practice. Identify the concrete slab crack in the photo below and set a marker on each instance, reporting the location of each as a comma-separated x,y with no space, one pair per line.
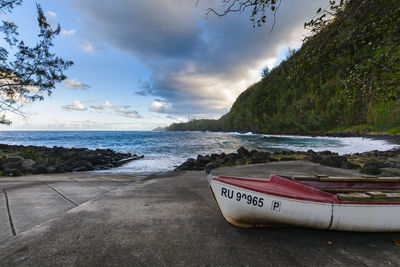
9,214
62,195
89,184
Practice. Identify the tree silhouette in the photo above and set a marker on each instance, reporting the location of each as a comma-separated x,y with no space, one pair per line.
258,9
32,72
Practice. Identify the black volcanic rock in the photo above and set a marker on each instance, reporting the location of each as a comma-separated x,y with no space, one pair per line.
243,152
333,161
243,156
39,159
370,168
373,162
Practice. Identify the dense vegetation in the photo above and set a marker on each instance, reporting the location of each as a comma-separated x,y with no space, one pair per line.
346,75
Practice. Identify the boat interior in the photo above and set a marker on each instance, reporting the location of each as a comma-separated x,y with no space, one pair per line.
364,189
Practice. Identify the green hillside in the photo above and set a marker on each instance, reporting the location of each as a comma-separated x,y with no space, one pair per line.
346,75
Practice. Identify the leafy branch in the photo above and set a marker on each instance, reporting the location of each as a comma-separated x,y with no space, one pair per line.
34,71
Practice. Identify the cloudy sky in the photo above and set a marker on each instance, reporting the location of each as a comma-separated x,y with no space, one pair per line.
139,64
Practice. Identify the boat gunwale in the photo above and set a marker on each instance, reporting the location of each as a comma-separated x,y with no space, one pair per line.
334,199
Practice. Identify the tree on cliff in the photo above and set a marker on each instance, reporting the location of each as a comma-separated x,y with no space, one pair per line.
32,72
259,10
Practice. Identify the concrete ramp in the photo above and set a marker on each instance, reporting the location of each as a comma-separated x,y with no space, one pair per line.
30,200
173,220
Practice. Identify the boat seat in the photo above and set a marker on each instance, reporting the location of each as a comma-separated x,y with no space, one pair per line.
325,178
393,196
359,190
354,197
376,196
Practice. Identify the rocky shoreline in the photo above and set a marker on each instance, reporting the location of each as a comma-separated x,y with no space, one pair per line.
21,160
383,163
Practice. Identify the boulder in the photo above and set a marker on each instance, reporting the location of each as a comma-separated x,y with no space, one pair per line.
310,152
41,168
28,163
231,157
189,164
12,172
69,154
3,160
349,165
390,172
253,152
260,157
209,167
333,161
12,161
82,165
214,156
65,166
243,152
315,158
12,165
371,168
394,162
203,160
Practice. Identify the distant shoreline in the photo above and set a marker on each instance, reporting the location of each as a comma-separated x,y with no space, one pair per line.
395,139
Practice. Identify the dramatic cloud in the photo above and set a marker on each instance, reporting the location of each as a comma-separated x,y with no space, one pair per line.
198,65
75,84
77,105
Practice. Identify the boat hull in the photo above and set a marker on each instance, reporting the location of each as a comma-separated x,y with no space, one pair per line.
247,208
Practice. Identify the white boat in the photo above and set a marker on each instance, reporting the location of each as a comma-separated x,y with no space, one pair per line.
332,203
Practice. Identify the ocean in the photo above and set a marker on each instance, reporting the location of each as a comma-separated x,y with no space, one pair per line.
165,150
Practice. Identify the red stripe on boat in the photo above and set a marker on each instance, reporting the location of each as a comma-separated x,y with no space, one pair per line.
278,186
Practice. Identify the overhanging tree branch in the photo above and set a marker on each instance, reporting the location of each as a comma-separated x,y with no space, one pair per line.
258,9
34,71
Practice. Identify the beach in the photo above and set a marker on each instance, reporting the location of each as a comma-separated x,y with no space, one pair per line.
164,219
